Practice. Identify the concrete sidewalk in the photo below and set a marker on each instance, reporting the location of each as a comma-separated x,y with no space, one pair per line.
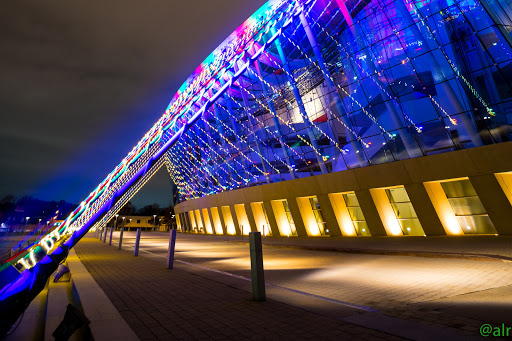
183,304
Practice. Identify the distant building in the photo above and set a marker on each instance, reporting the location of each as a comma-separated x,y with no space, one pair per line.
143,222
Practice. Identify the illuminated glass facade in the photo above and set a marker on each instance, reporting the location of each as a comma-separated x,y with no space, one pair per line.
313,87
325,86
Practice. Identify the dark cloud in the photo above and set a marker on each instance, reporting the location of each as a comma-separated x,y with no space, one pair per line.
82,81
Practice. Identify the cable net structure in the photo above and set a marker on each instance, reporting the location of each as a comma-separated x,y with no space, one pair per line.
312,87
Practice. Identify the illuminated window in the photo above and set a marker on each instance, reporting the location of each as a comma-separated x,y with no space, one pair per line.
207,223
261,218
243,220
505,181
289,217
199,221
216,220
283,217
266,231
317,212
404,212
356,214
467,207
192,221
178,222
228,220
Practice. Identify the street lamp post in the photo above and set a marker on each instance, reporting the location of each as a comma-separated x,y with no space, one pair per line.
154,222
26,223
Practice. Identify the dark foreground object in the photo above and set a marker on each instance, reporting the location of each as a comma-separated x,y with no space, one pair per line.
73,320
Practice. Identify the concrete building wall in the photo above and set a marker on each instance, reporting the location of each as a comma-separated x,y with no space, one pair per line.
488,169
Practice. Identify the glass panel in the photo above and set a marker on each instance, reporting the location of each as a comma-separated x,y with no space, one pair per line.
397,195
404,210
315,206
350,199
415,78
458,188
268,230
467,206
361,228
411,227
314,203
356,213
478,224
323,230
318,216
289,217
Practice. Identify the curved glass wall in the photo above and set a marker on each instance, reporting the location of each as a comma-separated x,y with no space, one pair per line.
317,86
348,84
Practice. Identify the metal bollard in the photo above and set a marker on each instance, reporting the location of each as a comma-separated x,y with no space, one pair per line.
121,238
137,243
257,273
110,239
170,251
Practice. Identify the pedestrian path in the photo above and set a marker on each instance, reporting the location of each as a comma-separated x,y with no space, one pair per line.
164,304
487,247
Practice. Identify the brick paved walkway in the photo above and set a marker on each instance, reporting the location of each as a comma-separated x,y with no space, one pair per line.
447,293
468,246
162,304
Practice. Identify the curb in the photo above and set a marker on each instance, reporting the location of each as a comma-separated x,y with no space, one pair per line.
106,321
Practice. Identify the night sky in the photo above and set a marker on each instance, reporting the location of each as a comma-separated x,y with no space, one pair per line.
82,81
